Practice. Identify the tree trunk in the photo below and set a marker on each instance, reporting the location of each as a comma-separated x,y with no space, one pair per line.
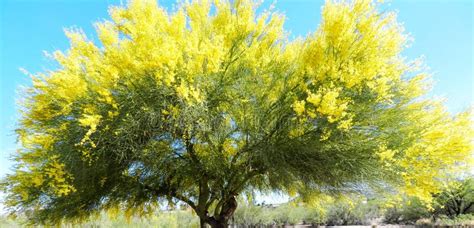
219,224
222,219
214,223
202,223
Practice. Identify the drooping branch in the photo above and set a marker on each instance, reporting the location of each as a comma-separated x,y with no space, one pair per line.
167,190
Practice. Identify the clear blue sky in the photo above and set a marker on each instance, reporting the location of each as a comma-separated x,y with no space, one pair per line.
443,33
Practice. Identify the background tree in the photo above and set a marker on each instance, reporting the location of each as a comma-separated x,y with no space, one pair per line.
456,199
212,100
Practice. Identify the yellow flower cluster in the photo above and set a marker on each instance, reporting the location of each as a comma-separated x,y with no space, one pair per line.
58,177
325,103
90,121
441,150
355,51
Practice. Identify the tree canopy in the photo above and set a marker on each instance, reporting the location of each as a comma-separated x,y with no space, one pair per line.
213,99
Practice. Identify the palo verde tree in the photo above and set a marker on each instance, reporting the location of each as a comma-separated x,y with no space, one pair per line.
213,100
456,198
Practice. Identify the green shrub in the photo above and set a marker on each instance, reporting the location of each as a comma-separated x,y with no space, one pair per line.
252,215
357,211
461,220
457,199
408,212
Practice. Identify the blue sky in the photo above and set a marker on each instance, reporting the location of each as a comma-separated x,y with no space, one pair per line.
442,31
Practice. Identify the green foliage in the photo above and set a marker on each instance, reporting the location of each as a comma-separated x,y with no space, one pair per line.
161,219
343,211
407,212
253,214
164,219
357,211
295,214
282,214
456,199
460,220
